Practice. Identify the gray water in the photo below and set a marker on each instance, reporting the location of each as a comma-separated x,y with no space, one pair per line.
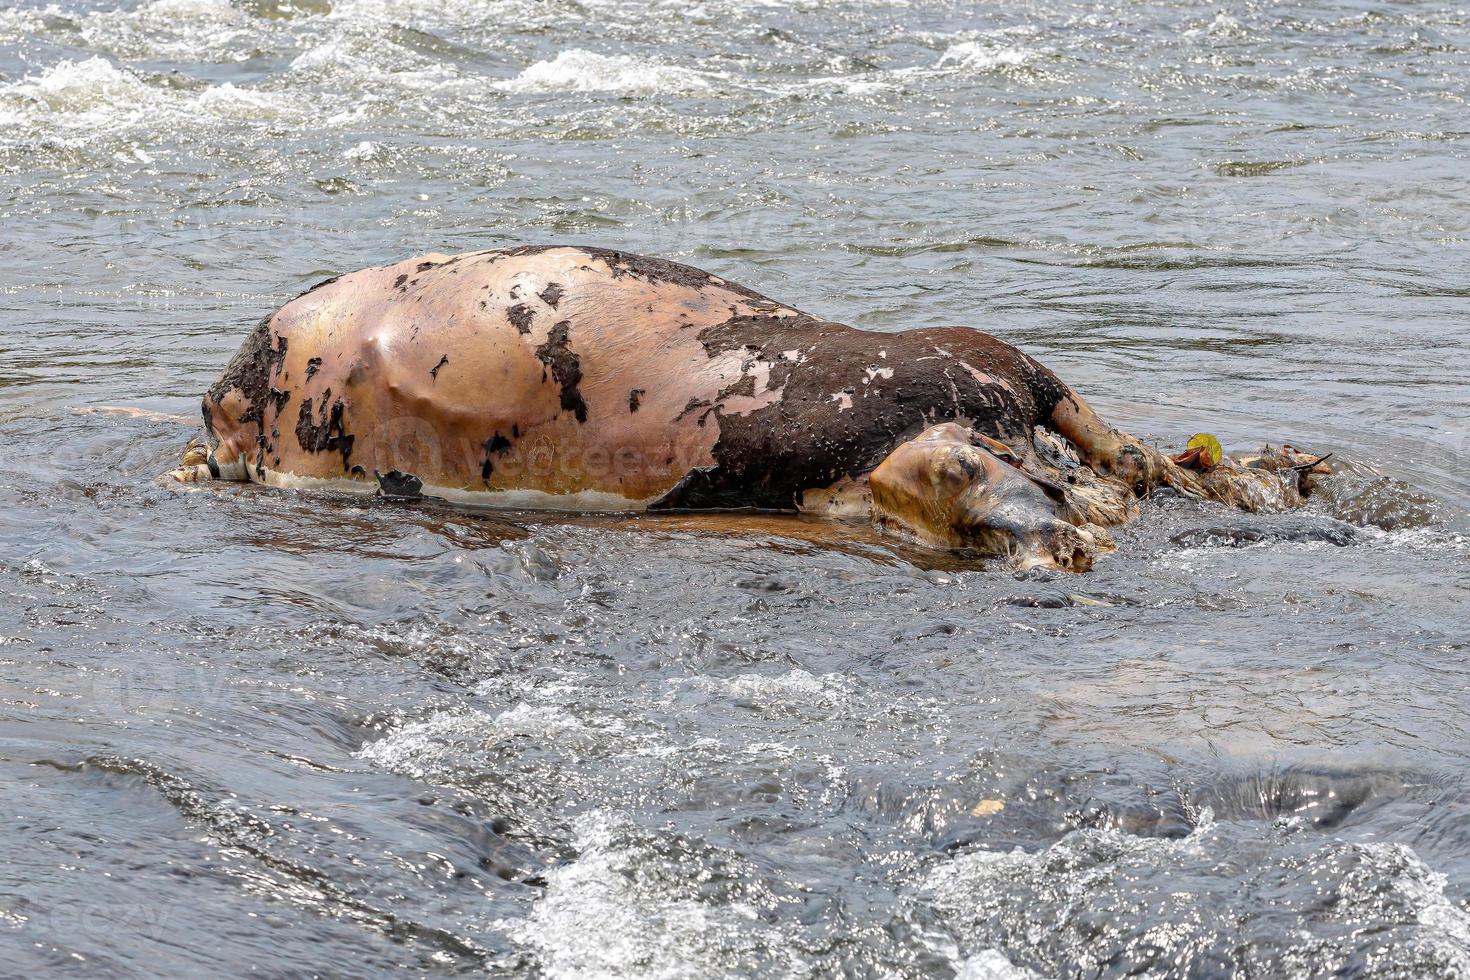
244,729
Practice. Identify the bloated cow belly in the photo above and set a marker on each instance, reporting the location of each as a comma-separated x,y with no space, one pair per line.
538,378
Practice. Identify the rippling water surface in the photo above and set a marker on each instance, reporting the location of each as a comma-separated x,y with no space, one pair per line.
245,729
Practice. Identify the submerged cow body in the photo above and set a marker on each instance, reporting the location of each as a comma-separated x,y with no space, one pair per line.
587,379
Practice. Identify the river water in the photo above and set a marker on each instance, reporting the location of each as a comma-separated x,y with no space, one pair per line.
246,730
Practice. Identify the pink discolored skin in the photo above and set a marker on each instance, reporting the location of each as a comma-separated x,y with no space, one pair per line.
588,379
549,371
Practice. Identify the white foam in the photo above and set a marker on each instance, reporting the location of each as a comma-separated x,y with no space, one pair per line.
77,101
1223,25
19,25
546,720
991,964
371,67
1423,889
333,53
858,85
421,13
184,30
89,97
370,60
985,56
616,911
365,151
1385,882
175,11
419,749
78,86
228,101
458,742
793,685
577,70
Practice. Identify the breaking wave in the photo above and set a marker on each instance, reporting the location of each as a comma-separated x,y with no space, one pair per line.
76,101
584,71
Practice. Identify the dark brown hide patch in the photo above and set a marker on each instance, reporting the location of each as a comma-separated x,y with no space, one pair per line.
396,484
744,386
496,445
565,368
249,372
807,438
520,317
693,405
326,432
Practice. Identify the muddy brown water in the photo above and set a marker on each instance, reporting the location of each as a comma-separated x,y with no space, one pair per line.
245,730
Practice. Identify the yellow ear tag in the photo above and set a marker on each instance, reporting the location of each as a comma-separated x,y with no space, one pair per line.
1210,452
